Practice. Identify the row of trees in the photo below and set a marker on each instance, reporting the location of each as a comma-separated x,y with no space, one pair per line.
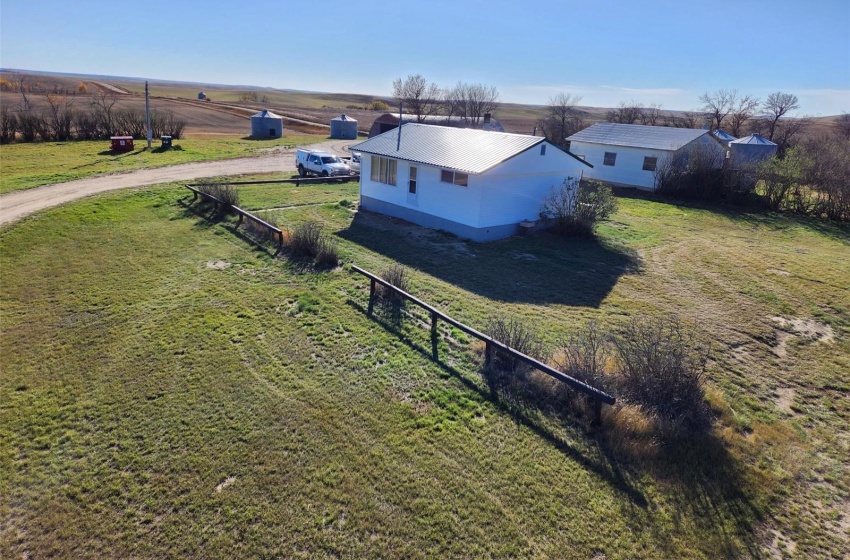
54,117
423,98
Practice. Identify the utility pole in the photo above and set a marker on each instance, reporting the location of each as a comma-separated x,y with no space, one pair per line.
148,114
400,122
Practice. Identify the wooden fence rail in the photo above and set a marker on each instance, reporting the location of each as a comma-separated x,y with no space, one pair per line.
492,345
278,233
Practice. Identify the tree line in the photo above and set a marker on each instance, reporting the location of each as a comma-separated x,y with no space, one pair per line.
56,115
467,101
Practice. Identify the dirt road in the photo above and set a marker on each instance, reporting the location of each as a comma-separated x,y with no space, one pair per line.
16,205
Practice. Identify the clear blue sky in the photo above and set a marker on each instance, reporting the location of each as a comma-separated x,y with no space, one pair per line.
607,51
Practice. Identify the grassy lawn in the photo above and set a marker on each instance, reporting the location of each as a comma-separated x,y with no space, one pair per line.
24,166
171,389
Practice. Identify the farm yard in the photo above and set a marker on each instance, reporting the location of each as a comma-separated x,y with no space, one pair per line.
172,386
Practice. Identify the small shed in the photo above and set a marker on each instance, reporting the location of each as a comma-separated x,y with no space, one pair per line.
344,127
476,184
266,124
122,143
750,150
202,96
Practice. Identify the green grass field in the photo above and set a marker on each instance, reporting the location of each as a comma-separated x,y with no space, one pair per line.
171,389
24,166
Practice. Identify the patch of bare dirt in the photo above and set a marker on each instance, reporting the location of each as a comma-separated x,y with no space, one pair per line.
218,265
785,399
779,272
806,329
224,484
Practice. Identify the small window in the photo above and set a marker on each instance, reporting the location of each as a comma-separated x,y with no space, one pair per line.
456,178
543,150
649,163
384,170
610,158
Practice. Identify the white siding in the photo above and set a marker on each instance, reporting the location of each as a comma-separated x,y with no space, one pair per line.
628,167
509,193
515,190
452,202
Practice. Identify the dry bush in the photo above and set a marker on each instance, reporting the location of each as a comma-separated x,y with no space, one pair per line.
328,253
660,367
519,336
691,173
576,207
585,355
398,276
306,240
225,193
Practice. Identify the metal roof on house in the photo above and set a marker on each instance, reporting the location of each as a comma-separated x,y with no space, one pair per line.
461,149
266,114
754,139
638,136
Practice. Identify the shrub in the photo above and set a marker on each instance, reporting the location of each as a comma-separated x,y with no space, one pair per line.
585,354
519,336
225,193
692,173
396,275
661,366
306,240
328,253
379,106
576,207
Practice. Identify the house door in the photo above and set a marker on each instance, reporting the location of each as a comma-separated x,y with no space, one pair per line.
411,187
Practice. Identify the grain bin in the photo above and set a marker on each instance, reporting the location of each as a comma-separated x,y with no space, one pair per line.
266,124
344,128
750,150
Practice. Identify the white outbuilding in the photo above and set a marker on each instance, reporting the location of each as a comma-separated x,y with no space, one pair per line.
628,154
476,184
266,124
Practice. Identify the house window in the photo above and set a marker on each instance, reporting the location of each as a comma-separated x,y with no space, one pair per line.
649,163
543,150
384,170
610,158
454,177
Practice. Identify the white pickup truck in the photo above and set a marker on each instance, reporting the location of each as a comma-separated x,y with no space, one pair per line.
320,163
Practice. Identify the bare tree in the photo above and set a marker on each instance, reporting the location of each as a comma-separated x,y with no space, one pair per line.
777,105
842,125
744,110
718,105
563,119
60,116
472,101
103,104
651,115
786,131
421,97
686,119
625,113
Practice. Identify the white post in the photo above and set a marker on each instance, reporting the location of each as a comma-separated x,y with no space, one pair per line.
148,114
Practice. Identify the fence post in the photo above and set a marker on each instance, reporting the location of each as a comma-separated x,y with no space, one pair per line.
241,215
597,413
434,336
488,353
371,296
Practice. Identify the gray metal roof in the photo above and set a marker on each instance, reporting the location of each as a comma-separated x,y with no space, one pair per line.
462,149
265,114
638,136
754,139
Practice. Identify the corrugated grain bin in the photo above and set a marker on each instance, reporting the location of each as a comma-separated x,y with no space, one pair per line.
266,124
344,128
750,150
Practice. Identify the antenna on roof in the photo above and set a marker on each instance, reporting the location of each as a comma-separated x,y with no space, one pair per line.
400,122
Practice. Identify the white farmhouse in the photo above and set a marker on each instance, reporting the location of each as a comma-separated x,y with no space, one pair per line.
476,184
627,154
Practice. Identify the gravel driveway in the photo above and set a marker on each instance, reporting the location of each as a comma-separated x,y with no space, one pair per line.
17,204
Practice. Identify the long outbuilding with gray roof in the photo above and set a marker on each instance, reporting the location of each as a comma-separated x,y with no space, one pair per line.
629,154
473,183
